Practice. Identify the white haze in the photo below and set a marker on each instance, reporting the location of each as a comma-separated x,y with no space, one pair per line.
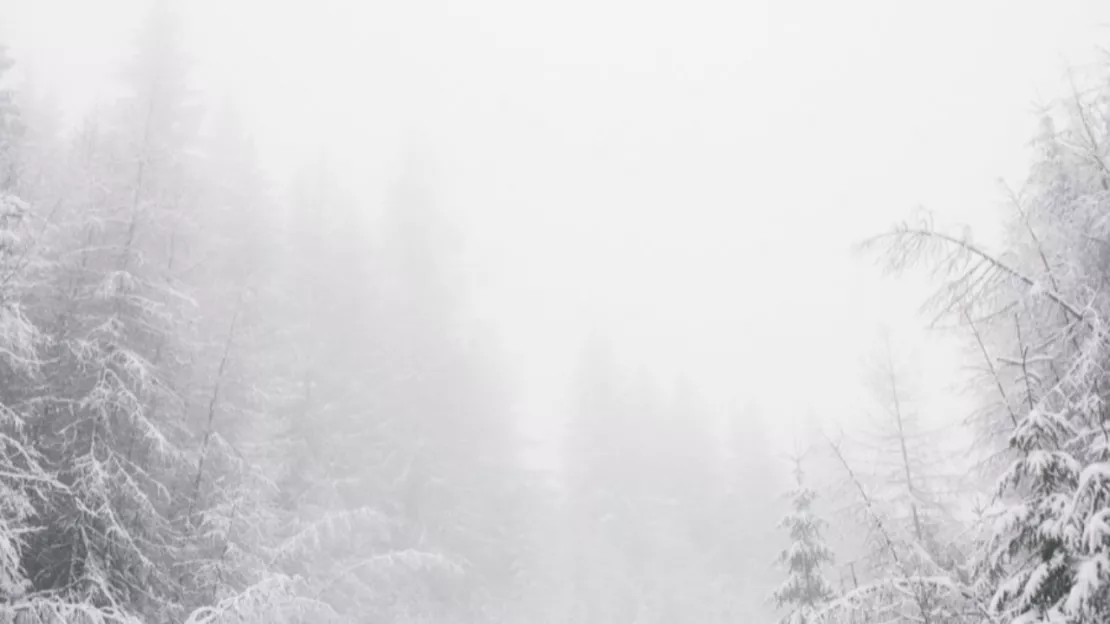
686,180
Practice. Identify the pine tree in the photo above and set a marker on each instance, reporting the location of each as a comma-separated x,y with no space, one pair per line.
1037,312
455,474
905,487
650,537
23,481
110,419
334,525
607,443
374,493
805,589
232,383
1046,556
11,125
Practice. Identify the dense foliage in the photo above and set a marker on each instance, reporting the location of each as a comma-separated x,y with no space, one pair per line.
1034,315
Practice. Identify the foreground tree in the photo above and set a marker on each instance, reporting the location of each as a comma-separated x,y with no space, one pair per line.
111,421
1037,311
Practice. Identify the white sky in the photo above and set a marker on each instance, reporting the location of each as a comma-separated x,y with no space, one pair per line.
685,176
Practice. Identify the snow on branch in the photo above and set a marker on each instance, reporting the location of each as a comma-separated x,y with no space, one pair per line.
972,271
275,600
315,535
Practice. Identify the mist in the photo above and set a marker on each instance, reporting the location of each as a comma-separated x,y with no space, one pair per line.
588,312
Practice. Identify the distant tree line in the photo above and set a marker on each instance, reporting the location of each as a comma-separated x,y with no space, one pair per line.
229,399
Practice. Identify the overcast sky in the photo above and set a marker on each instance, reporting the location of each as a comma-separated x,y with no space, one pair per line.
686,177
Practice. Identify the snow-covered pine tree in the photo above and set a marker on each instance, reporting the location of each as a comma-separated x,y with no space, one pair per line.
23,482
28,488
109,418
1038,311
607,447
455,473
345,442
11,125
324,423
234,384
899,499
650,538
1046,555
904,452
805,589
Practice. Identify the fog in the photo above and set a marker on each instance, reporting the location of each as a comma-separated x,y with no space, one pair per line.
485,311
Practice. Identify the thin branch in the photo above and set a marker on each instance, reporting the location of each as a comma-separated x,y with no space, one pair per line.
975,251
990,366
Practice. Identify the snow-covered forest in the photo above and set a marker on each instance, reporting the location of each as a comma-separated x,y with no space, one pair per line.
231,398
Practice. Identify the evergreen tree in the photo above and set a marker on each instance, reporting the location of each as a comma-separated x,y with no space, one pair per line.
111,419
232,382
9,124
1036,310
23,481
646,520
607,443
805,589
337,527
903,492
455,472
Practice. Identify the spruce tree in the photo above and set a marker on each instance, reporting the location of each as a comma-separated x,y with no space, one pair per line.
1036,308
805,588
111,419
10,125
